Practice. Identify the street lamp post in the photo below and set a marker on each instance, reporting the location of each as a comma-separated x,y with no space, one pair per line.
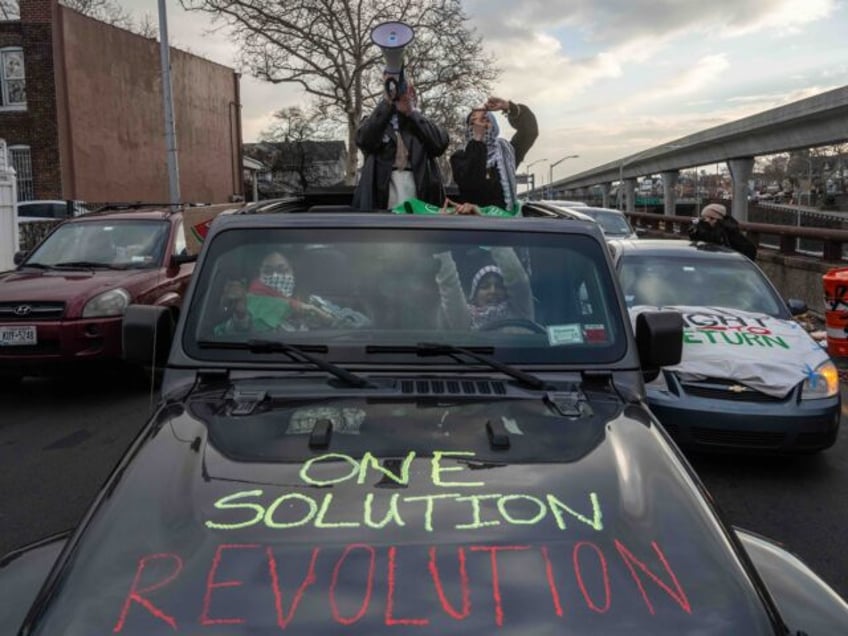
530,165
555,164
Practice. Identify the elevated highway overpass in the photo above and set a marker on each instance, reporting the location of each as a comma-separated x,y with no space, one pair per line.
815,121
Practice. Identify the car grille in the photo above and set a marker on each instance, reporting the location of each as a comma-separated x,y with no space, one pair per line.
452,387
721,390
742,439
29,312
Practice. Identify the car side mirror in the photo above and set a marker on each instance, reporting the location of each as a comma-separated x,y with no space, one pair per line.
659,339
796,306
180,259
147,332
20,257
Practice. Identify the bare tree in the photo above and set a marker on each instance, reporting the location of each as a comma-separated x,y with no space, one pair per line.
109,11
325,46
296,124
296,128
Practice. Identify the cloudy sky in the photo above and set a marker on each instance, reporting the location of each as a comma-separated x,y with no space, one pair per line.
608,78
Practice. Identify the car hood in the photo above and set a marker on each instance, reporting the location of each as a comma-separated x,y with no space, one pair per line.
762,352
233,523
28,285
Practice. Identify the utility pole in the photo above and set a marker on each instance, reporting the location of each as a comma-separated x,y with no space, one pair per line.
168,103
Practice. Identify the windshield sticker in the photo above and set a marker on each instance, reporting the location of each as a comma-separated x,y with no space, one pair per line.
564,334
374,581
595,333
346,421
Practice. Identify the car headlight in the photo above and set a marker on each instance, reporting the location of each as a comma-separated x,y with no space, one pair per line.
111,303
823,382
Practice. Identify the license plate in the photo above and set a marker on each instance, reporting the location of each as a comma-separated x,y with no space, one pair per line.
17,336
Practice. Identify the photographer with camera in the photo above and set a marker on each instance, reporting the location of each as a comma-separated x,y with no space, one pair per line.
485,169
716,226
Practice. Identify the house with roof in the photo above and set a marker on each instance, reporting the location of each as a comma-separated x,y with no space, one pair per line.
295,166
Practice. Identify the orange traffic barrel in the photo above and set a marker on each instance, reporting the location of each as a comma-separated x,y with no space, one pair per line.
836,311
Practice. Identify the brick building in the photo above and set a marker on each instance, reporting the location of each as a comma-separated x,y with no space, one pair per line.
81,111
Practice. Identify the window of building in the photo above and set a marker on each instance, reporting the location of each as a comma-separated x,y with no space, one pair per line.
13,79
19,157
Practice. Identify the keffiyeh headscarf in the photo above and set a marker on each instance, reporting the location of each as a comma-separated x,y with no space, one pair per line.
481,315
283,284
499,154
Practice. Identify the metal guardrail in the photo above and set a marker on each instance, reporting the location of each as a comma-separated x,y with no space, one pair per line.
830,244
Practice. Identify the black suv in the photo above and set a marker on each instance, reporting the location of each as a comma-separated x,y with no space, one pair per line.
379,423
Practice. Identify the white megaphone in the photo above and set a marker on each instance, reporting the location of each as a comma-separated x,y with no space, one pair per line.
392,38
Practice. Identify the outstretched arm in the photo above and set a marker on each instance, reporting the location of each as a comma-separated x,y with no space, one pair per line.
523,120
516,281
453,300
526,130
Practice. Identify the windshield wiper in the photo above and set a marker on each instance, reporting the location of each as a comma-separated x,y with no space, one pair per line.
37,265
424,349
295,352
83,264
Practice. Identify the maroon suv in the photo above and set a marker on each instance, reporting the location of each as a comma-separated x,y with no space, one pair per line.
64,303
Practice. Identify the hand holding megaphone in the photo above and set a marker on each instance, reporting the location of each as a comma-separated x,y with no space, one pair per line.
393,38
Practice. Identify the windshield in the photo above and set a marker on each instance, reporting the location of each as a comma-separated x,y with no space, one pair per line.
106,242
531,297
662,280
612,223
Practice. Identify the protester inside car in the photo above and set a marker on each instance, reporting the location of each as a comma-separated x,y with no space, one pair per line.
268,302
717,226
499,291
485,168
400,146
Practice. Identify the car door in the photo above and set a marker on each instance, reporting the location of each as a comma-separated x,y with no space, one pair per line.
174,278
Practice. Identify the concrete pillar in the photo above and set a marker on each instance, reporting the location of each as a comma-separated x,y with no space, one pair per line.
630,194
669,180
8,213
740,171
605,194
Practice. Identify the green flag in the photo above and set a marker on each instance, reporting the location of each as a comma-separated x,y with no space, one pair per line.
417,206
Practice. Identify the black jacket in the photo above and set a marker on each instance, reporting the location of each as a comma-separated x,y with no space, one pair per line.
724,232
479,184
377,139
